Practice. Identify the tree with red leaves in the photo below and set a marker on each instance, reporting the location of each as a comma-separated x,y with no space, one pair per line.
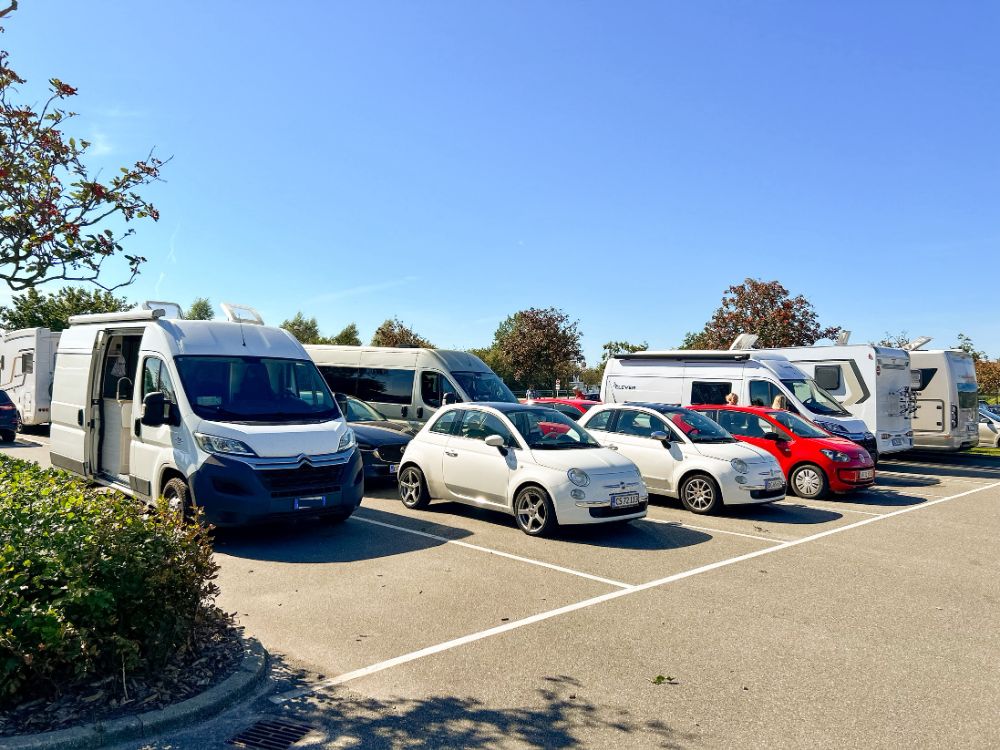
763,308
53,212
534,347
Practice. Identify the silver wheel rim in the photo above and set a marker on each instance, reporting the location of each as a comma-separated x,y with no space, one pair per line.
699,494
409,487
531,511
808,482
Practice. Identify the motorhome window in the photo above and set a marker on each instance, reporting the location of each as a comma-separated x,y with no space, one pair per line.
341,379
926,376
600,420
385,386
968,396
798,426
479,425
121,363
434,387
828,377
710,392
445,424
27,363
484,386
256,389
814,398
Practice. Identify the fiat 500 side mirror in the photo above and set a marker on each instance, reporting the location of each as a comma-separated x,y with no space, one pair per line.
662,437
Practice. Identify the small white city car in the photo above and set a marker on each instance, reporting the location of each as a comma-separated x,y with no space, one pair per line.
529,461
684,454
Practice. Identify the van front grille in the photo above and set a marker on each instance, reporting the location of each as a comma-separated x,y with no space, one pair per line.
305,480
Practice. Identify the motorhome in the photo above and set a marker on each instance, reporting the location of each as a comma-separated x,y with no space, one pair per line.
947,398
408,383
757,377
231,416
27,361
871,382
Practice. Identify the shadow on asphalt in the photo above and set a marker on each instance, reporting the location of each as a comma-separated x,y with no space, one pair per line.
637,535
891,498
952,468
791,514
22,442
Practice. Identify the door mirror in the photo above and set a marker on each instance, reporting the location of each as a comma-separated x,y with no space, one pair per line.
494,441
662,437
983,420
775,437
152,409
451,398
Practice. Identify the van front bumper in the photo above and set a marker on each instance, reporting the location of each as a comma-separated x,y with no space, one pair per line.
235,491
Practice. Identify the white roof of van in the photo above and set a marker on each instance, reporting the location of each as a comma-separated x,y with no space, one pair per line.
453,360
732,355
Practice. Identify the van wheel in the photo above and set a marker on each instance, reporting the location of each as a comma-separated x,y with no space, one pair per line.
809,482
534,512
700,494
178,496
413,488
18,423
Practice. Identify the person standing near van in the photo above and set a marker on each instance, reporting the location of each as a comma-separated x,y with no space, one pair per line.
732,399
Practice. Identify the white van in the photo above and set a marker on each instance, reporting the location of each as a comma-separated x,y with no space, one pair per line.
230,416
408,383
27,361
685,377
947,415
871,382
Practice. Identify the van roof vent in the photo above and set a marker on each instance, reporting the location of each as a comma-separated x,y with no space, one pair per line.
235,314
843,337
917,343
744,341
171,310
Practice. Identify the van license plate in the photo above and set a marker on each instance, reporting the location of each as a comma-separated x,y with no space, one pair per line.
393,468
625,501
866,473
774,484
897,441
314,501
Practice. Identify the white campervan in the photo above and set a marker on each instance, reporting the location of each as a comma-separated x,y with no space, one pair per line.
408,383
947,399
685,377
230,416
27,361
871,382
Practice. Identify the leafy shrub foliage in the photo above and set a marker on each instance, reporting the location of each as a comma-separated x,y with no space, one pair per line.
92,583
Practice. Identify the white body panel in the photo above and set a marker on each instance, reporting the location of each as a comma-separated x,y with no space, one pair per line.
871,382
947,415
989,428
27,363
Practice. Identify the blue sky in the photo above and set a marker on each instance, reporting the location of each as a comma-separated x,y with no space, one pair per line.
452,162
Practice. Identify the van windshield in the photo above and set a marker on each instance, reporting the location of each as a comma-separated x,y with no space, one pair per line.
814,398
484,386
256,389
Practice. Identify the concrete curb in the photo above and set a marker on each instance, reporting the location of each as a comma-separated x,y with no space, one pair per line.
241,683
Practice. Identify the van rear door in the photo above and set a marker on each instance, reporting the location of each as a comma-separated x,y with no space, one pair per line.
72,413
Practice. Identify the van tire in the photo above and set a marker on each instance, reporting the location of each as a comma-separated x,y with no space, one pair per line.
178,496
8,436
18,424
413,488
809,482
700,494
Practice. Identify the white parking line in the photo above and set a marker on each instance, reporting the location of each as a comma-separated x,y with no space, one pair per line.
713,531
509,556
472,637
914,475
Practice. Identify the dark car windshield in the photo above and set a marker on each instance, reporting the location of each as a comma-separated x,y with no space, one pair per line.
797,425
256,389
547,429
484,386
697,427
356,410
814,398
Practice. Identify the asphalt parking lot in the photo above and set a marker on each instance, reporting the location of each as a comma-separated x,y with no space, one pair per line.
865,621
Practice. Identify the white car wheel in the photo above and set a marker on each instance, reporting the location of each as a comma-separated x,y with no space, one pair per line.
534,512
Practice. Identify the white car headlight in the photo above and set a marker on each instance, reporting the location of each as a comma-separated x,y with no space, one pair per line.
223,445
838,456
578,477
739,466
347,441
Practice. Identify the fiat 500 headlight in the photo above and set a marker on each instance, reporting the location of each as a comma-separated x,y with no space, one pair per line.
739,466
578,477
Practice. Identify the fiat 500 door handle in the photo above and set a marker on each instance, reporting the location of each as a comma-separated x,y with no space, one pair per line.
450,453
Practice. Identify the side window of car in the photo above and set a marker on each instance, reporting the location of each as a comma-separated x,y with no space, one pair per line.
445,424
762,393
479,425
638,423
600,421
434,387
733,421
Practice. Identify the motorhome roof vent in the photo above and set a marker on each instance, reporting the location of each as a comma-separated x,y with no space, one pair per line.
235,314
171,310
917,343
744,341
843,337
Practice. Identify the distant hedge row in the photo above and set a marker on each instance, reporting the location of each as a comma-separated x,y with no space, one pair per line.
91,581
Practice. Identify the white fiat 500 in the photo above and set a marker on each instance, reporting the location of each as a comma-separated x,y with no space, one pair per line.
684,454
529,461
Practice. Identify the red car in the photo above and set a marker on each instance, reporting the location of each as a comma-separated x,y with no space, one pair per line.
814,461
574,408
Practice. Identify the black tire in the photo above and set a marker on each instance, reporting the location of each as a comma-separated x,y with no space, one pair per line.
809,482
19,424
534,512
413,488
8,436
700,494
177,494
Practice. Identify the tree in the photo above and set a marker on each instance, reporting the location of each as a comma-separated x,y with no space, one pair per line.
534,347
54,214
347,337
966,345
592,376
988,376
896,341
763,308
35,309
201,309
305,330
393,332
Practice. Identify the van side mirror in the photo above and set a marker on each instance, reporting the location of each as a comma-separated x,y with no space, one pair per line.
152,409
451,398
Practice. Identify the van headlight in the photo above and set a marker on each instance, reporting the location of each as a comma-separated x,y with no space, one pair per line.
222,445
739,466
347,441
578,477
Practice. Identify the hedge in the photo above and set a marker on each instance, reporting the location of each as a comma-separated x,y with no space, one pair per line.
92,582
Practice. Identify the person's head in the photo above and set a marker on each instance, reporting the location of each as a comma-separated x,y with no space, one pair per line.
780,402
732,399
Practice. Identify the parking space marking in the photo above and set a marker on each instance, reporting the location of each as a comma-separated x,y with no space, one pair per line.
914,475
508,555
713,531
542,616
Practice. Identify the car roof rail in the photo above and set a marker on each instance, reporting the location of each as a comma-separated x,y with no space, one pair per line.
232,311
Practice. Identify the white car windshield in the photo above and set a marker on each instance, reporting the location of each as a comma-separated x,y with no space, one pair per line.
547,429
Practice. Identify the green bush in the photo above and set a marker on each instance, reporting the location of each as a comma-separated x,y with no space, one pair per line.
92,582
